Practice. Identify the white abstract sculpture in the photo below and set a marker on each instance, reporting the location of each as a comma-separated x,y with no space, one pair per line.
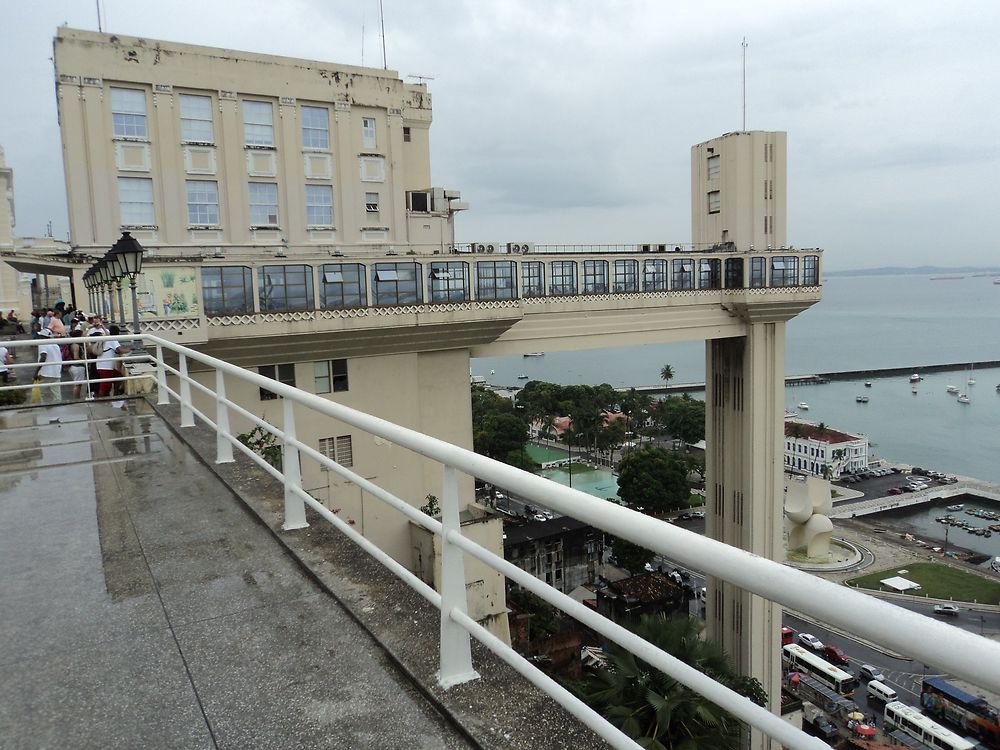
808,504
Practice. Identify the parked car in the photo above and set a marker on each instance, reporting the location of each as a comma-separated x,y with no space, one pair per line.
836,655
946,609
917,486
869,672
810,641
894,491
698,514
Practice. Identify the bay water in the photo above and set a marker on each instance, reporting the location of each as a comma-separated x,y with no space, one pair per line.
863,322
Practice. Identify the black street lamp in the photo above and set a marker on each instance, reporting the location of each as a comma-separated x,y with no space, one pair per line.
117,274
104,274
128,254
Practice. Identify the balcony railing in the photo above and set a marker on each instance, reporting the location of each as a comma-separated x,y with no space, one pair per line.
964,654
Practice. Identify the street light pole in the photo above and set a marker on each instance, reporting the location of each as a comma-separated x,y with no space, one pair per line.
127,254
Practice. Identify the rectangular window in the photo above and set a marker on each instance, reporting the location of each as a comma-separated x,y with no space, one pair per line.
495,279
343,285
714,202
371,203
563,277
196,119
315,127
263,204
734,273
448,281
533,278
710,274
285,288
338,449
406,134
397,284
368,132
714,166
595,277
683,275
625,276
227,290
654,275
757,279
128,113
330,376
282,373
258,123
135,201
785,271
203,202
319,205
810,270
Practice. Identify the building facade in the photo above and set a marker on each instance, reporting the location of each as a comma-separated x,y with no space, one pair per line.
822,451
739,191
563,552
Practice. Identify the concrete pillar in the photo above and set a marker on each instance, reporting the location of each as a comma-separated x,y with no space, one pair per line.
744,432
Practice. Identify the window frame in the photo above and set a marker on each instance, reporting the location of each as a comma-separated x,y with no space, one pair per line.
257,141
127,216
448,281
270,301
732,274
247,307
205,205
488,280
714,198
308,131
810,270
369,132
129,119
682,274
710,273
758,272
784,271
655,275
283,373
333,372
354,281
256,187
625,276
189,119
373,207
595,276
563,278
312,206
390,289
532,278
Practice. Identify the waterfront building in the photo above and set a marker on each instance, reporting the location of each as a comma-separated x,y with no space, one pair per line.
291,227
822,451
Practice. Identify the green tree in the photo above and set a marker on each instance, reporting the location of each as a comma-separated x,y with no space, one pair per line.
653,478
629,555
498,429
666,374
656,710
684,418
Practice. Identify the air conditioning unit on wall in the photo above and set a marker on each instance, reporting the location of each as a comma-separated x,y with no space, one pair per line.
521,247
488,247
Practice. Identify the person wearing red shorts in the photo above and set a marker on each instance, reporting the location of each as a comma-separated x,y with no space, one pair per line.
108,362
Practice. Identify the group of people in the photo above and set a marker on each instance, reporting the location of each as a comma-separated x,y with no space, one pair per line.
71,363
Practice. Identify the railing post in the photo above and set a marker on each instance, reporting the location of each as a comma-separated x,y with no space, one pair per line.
223,447
456,646
162,397
295,507
187,416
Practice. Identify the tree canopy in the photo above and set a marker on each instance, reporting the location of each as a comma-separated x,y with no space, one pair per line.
498,429
684,417
653,478
656,710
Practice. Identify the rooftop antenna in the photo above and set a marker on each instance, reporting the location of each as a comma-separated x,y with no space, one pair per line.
100,28
362,36
744,45
381,17
421,79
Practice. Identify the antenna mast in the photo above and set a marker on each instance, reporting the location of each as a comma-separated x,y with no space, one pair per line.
98,4
744,45
381,17
421,79
362,37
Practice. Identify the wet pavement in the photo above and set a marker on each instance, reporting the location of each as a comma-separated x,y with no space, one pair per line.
142,606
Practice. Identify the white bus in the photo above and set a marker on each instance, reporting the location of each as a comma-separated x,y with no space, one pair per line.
922,728
804,660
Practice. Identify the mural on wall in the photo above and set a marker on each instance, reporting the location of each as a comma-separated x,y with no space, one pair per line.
168,292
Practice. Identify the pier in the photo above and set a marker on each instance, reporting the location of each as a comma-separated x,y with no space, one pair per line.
869,506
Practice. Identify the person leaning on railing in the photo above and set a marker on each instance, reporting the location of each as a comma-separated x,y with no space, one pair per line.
75,362
109,362
49,369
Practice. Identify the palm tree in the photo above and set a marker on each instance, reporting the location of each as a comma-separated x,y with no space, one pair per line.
655,709
666,374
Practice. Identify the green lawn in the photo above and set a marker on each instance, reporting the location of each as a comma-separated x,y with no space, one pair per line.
938,581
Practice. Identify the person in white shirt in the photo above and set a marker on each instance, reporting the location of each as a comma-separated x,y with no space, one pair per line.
5,359
49,370
108,362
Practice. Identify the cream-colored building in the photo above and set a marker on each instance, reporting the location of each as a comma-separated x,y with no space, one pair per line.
739,191
364,297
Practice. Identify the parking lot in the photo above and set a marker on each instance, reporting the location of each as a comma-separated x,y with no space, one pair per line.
879,486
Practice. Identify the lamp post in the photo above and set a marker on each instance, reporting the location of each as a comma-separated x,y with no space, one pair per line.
90,292
105,271
117,271
128,255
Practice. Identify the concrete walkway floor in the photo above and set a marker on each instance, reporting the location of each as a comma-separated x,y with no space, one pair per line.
142,606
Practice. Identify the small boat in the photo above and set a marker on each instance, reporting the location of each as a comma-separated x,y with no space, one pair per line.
534,354
868,384
493,372
952,389
861,399
522,376
914,378
995,562
963,399
804,406
954,508
996,281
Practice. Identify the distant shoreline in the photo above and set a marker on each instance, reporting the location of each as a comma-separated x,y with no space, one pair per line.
917,271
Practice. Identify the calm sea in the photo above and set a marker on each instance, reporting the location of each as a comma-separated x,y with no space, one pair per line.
862,322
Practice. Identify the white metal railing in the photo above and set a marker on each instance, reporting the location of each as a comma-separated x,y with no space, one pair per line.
964,654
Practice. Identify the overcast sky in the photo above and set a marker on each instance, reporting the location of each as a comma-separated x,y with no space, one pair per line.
572,121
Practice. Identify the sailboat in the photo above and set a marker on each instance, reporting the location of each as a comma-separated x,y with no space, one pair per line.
972,380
